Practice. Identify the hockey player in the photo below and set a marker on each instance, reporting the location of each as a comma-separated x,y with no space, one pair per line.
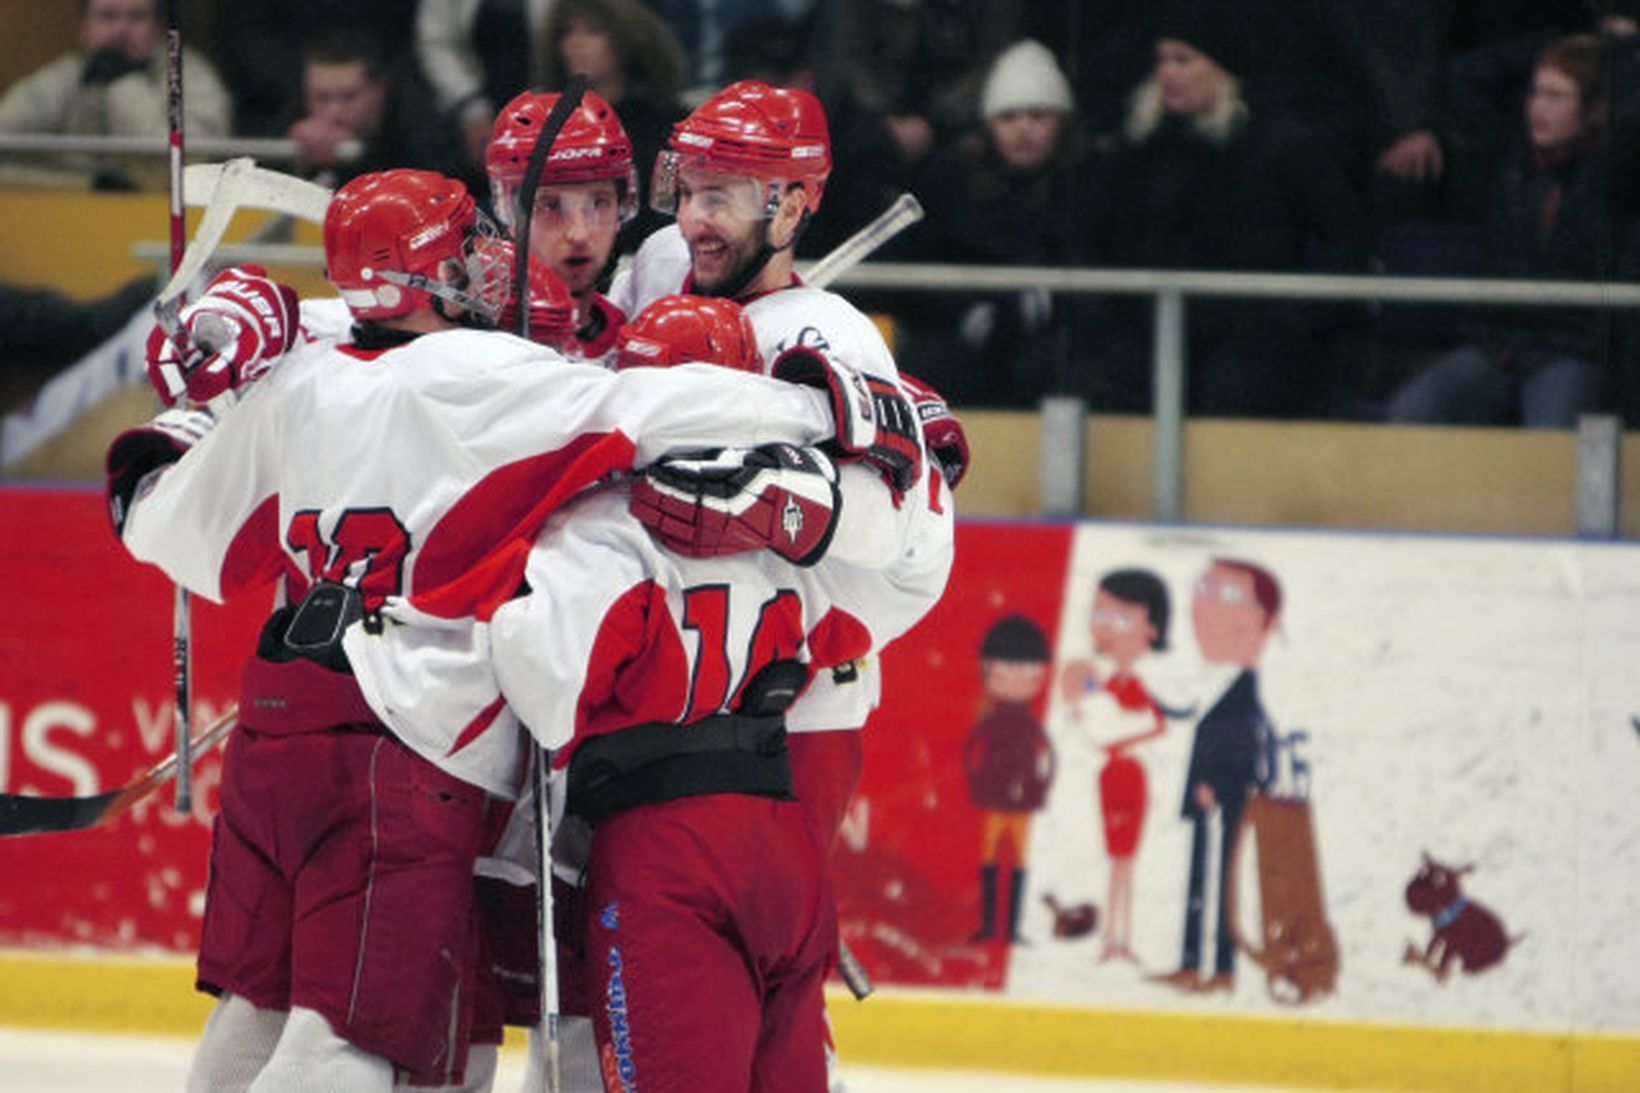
339,912
589,189
744,173
674,672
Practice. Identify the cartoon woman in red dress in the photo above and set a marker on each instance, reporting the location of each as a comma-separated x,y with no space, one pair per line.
1130,617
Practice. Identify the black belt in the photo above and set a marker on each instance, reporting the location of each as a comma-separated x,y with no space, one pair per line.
725,753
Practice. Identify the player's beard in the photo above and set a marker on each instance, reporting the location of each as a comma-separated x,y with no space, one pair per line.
722,267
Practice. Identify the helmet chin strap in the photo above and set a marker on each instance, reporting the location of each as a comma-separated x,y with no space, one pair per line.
765,251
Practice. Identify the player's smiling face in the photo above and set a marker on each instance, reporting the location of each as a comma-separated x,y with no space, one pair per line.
724,220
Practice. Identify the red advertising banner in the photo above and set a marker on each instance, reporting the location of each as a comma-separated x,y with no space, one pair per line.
86,703
917,848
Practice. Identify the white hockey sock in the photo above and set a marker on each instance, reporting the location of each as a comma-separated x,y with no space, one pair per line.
311,1058
237,1042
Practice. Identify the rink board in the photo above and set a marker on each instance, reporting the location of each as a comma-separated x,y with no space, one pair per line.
919,1029
1469,698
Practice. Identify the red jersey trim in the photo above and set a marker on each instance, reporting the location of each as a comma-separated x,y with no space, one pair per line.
474,557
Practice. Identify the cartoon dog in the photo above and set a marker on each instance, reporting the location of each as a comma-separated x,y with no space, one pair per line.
1069,922
1465,930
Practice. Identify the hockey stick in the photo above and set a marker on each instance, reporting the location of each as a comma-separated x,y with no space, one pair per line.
22,814
181,609
854,973
550,1045
905,211
568,101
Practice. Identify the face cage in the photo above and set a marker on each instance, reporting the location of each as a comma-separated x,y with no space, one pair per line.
663,191
479,284
504,197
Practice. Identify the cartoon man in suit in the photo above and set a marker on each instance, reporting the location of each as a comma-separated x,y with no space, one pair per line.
1235,606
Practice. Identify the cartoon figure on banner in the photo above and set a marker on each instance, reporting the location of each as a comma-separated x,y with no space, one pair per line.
1008,759
1465,931
1234,608
1131,611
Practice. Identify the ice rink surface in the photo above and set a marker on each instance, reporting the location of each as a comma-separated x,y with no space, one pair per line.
35,1061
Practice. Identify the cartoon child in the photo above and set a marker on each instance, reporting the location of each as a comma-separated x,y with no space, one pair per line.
1131,610
1008,759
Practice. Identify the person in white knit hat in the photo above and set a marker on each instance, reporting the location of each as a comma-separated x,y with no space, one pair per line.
1026,103
1012,192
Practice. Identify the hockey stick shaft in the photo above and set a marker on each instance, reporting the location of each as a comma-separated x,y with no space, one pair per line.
568,102
854,973
548,1039
182,613
903,212
22,814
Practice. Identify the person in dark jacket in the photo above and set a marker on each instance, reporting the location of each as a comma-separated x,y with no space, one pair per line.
1012,192
1203,179
1557,213
1236,607
1008,759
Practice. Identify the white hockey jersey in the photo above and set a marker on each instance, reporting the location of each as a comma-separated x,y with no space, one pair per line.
423,472
897,558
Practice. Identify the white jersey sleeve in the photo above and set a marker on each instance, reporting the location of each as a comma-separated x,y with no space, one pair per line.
406,472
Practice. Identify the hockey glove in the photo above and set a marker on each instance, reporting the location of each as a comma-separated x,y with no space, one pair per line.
875,422
942,433
779,497
137,452
232,334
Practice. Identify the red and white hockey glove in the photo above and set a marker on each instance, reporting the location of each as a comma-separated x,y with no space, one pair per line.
942,433
235,331
135,453
778,497
875,422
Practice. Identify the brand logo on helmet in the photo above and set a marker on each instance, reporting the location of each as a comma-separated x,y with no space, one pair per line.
808,151
426,236
694,138
577,153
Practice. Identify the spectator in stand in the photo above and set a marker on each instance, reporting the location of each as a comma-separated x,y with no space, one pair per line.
1560,211
113,84
476,56
705,29
351,93
260,46
632,60
1201,180
1445,80
918,65
1010,193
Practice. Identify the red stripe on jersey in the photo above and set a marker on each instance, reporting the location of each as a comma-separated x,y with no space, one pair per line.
638,671
475,728
474,557
838,638
254,557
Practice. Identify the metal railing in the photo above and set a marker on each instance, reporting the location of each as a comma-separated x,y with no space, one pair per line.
265,149
1600,437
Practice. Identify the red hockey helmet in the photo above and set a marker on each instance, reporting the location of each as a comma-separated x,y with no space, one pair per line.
754,130
396,239
592,146
676,329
